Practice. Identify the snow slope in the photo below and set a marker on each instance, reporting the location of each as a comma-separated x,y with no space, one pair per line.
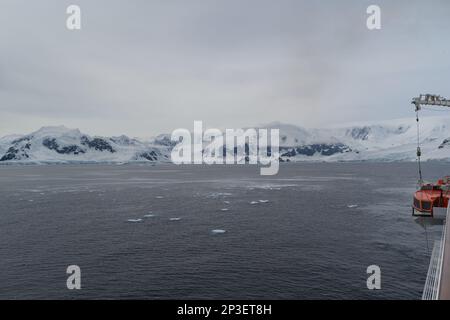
393,140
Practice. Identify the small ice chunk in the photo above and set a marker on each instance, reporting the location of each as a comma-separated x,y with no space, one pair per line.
352,206
254,202
159,197
219,194
226,202
150,215
263,201
218,231
175,219
224,209
134,220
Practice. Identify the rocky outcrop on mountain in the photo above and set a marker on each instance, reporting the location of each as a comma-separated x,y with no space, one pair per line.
445,144
322,149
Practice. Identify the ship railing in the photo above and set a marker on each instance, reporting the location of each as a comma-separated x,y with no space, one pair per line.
433,283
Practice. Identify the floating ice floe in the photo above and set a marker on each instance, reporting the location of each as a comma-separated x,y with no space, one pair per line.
263,201
34,190
218,231
134,220
226,202
352,206
218,194
159,197
175,219
254,202
224,209
150,215
271,186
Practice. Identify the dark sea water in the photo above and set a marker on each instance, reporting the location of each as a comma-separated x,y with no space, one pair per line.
316,231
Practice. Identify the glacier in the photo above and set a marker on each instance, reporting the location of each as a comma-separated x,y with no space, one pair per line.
392,140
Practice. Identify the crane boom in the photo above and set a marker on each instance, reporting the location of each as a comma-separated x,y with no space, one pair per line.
430,100
418,102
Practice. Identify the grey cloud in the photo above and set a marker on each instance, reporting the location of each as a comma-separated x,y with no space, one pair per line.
144,67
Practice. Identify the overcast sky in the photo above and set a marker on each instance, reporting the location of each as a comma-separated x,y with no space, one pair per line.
147,67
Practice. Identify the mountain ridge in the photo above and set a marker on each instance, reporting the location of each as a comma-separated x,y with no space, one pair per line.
392,140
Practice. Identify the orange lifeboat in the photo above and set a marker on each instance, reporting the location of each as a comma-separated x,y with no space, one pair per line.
431,196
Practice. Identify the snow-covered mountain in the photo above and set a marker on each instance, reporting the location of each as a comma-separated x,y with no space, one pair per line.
394,140
60,144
